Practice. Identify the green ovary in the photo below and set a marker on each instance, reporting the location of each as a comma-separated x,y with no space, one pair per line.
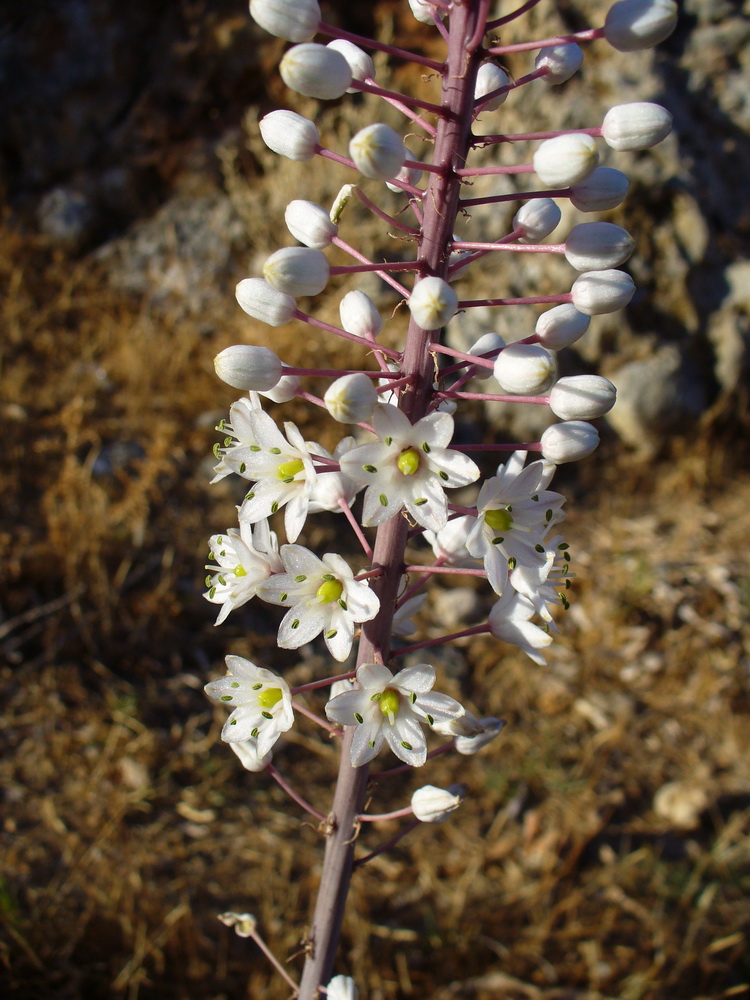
408,461
269,697
389,702
498,520
330,591
289,469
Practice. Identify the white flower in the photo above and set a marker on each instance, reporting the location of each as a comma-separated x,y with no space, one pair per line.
595,246
408,468
490,78
283,471
537,218
566,159
602,190
598,292
631,25
469,745
315,71
525,369
262,301
635,126
322,596
359,315
377,152
361,65
330,488
559,61
403,619
569,441
432,303
290,135
351,398
247,753
260,700
244,366
431,804
244,559
582,397
561,326
342,988
509,621
449,544
240,438
294,20
388,708
298,270
426,12
310,224
514,512
487,343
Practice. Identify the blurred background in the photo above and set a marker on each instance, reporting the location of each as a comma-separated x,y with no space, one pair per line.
603,849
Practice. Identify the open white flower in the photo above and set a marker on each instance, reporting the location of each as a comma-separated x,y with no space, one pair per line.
391,709
408,468
322,596
244,559
261,703
509,621
239,439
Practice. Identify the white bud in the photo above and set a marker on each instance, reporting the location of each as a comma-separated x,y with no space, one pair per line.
639,24
247,367
525,369
359,315
294,20
329,489
432,303
640,125
351,398
378,152
289,134
310,224
566,160
360,64
469,745
247,751
409,175
284,390
489,78
602,190
560,61
449,544
434,805
582,397
598,292
264,302
537,218
595,246
568,442
297,270
315,71
561,326
424,11
342,987
486,343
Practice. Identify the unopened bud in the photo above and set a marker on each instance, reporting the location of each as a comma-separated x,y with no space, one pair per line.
290,135
596,246
409,175
247,752
297,270
310,224
377,152
487,342
561,326
245,367
434,805
537,218
559,61
639,24
294,20
264,302
490,78
469,745
284,390
640,125
351,398
360,63
432,303
598,292
566,160
342,987
569,441
582,397
602,190
359,315
525,369
425,12
315,71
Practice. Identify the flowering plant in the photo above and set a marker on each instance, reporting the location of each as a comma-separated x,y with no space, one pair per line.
405,457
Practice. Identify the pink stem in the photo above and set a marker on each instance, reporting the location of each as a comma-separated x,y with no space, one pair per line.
355,527
528,446
517,168
490,398
488,140
578,36
380,817
368,203
389,95
343,333
338,242
313,717
273,960
520,82
499,21
475,630
515,196
471,358
531,300
280,780
455,570
371,43
325,682
388,844
396,265
513,247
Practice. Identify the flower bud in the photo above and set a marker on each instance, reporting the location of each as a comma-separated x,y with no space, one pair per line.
582,397
360,64
359,315
310,224
297,270
289,134
342,988
525,369
537,218
264,302
247,751
409,175
434,805
469,745
424,11
489,78
351,398
566,160
486,343
560,62
284,390
315,71
561,326
246,367
602,190
595,246
377,151
639,24
569,441
432,303
640,125
449,544
327,492
294,20
597,292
